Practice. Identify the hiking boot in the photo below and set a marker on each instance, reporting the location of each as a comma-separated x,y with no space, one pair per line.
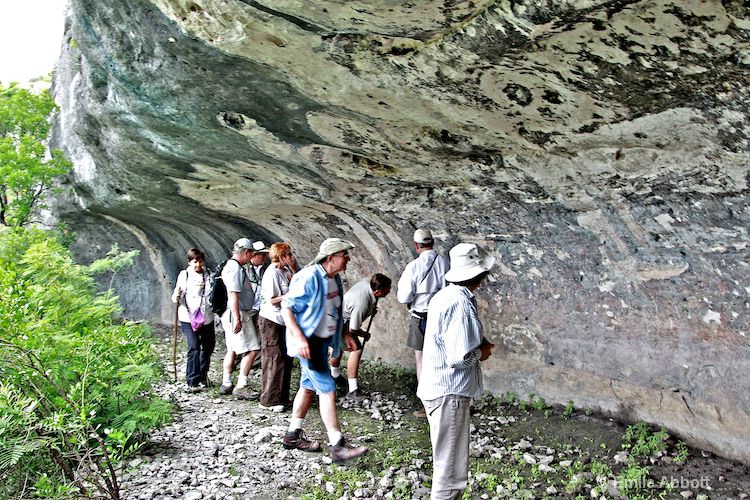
226,389
355,395
420,413
245,393
343,451
296,440
194,388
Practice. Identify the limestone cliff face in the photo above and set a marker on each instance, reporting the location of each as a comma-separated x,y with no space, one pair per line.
598,148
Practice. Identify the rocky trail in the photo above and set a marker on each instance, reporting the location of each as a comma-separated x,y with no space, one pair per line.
221,447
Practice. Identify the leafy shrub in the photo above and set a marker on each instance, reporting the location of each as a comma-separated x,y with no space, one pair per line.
634,480
642,442
569,409
75,383
681,453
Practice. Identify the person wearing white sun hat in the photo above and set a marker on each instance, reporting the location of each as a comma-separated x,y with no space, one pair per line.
454,346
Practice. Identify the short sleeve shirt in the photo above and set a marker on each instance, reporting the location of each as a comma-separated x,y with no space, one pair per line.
236,280
359,302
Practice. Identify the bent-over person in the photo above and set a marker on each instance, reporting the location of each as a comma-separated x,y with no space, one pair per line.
360,303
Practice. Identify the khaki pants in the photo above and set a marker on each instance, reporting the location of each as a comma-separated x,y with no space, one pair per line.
449,433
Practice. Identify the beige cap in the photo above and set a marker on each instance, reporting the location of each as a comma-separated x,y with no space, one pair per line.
330,247
259,247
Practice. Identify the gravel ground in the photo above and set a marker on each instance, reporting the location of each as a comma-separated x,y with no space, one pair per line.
221,447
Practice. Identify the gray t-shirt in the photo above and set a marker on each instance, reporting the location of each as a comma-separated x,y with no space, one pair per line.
359,303
236,280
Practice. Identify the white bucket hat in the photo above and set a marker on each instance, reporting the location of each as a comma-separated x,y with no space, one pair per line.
466,263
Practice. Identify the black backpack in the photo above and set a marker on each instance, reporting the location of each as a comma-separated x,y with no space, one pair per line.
217,297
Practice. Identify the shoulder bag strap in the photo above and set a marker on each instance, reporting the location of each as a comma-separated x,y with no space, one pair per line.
427,273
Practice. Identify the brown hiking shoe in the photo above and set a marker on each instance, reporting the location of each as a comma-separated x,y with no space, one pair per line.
245,393
343,451
296,440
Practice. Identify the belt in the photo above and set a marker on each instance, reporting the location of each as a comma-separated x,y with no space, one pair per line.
420,315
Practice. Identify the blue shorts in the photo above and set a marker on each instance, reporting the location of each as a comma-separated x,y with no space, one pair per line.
315,374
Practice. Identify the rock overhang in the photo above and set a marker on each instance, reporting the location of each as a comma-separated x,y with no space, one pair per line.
600,148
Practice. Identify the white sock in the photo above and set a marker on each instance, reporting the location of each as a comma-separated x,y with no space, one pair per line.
335,371
295,423
353,384
227,380
334,437
241,381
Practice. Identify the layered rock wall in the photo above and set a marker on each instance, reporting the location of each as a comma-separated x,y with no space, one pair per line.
598,148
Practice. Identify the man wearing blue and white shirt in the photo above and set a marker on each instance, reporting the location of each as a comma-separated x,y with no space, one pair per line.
451,377
312,311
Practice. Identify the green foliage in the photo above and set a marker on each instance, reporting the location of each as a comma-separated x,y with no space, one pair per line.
681,453
600,469
568,411
64,234
537,402
26,174
642,442
75,383
114,262
633,480
338,480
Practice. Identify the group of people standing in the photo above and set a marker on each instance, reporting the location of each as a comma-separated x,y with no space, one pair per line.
283,312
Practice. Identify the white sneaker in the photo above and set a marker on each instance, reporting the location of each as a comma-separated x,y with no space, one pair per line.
273,408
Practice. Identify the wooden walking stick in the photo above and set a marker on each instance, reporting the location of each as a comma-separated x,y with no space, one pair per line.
174,337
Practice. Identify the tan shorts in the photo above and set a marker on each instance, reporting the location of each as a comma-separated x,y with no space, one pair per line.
244,341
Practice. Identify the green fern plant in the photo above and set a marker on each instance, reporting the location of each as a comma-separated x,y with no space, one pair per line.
76,391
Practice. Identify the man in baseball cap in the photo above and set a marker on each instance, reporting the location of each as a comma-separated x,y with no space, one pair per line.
240,333
421,279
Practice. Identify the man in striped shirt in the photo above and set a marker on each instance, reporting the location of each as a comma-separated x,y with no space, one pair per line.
451,377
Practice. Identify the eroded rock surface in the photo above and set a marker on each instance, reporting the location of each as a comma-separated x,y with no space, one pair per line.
598,148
